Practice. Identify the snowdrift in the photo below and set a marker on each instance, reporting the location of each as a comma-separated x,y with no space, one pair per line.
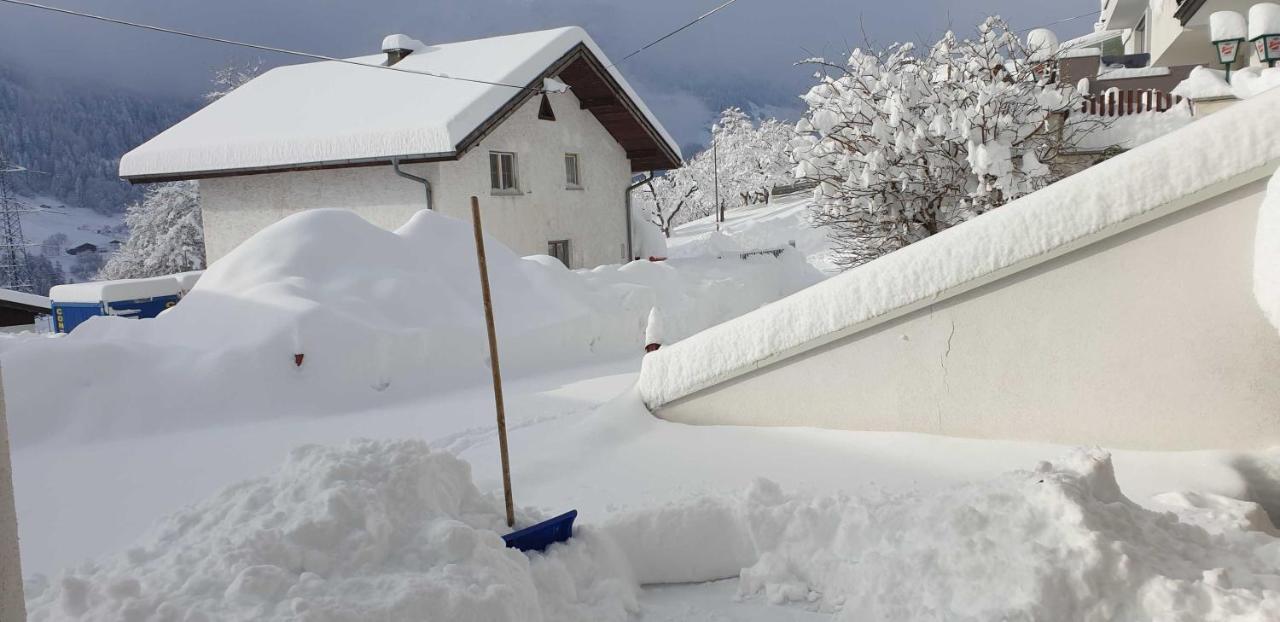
378,316
1056,543
393,531
370,531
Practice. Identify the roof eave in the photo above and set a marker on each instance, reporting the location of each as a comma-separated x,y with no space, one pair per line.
290,168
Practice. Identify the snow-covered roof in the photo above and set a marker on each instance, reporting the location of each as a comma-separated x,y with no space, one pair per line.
114,291
1092,39
1205,158
1122,73
331,113
1079,52
23,298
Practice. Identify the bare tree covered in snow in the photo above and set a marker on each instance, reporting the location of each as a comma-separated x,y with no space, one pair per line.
749,159
904,144
668,196
232,77
165,234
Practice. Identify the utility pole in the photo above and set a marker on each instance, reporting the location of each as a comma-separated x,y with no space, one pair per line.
15,273
715,175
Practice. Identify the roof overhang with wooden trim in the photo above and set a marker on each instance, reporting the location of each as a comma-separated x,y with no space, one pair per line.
589,80
600,94
1187,9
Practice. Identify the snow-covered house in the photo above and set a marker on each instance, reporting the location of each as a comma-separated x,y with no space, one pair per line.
551,171
1126,305
1168,32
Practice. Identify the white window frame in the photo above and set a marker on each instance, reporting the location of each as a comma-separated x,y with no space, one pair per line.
498,170
574,183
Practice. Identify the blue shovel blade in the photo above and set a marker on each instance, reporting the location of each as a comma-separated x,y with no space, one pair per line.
538,537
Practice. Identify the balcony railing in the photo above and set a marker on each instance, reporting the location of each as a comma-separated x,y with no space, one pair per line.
1119,103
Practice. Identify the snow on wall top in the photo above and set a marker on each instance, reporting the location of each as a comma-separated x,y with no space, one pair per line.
23,298
1206,83
1213,154
115,291
334,112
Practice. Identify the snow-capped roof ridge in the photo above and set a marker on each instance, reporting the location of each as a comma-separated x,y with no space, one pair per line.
23,298
355,114
1205,158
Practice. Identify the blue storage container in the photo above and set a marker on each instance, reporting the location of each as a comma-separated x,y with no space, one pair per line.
73,304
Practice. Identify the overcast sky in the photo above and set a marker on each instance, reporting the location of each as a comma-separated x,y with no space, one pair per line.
742,56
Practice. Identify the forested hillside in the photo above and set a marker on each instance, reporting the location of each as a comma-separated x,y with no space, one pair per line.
75,135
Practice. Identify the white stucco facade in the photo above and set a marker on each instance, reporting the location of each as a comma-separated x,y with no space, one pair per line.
12,606
546,209
1148,339
1152,28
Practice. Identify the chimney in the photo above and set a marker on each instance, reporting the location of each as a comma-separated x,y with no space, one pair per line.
397,47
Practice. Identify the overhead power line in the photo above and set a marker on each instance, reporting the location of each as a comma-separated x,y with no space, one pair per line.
1063,20
675,32
256,46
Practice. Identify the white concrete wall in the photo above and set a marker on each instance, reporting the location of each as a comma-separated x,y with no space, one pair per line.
12,606
1170,43
592,218
1148,339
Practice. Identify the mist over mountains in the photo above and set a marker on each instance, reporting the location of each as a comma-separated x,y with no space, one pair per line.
74,134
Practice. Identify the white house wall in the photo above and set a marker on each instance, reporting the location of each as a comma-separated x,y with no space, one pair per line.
1148,339
592,218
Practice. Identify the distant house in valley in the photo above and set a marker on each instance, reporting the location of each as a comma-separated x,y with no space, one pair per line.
18,310
87,247
551,166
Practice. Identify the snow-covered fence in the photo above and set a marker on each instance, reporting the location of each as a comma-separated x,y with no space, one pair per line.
799,186
1118,103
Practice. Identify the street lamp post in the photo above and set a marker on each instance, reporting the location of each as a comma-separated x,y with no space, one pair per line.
1227,28
1264,31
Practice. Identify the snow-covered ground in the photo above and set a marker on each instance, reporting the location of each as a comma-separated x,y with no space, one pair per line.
715,522
782,223
79,224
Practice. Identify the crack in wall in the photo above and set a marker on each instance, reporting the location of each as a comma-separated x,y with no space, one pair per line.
942,362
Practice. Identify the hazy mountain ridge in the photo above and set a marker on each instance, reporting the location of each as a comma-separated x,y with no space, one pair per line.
74,136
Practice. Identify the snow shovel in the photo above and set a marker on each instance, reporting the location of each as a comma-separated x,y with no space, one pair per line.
541,535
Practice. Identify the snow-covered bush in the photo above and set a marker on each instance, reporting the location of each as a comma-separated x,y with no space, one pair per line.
905,143
165,234
747,161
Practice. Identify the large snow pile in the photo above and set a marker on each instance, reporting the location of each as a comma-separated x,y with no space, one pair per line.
1204,83
1266,248
1060,542
370,531
1123,189
379,317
